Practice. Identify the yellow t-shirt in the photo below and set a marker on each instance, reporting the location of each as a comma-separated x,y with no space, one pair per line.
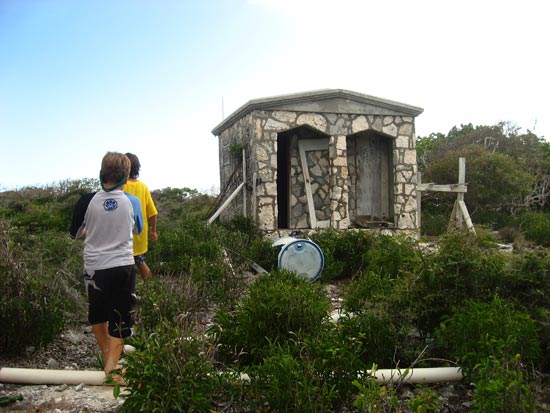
148,210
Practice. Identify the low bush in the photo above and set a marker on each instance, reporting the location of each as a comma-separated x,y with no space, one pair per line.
536,226
32,305
374,336
159,302
177,247
170,371
344,252
279,306
501,386
285,383
464,267
479,331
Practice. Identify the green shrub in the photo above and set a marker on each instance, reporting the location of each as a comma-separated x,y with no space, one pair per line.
390,255
170,372
309,375
336,357
424,400
284,383
536,226
527,282
218,279
245,244
466,266
480,330
501,386
177,247
365,291
373,397
343,251
434,224
509,234
279,306
375,336
161,301
32,305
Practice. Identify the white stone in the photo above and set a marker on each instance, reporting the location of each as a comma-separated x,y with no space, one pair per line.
406,129
266,218
284,116
316,171
405,221
314,120
402,142
261,154
409,157
390,130
341,143
359,124
409,189
271,188
272,124
410,206
340,161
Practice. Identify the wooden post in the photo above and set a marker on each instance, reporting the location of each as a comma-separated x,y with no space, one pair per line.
418,201
254,199
459,214
244,180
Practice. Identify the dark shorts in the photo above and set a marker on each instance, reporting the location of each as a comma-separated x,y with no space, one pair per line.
111,297
139,259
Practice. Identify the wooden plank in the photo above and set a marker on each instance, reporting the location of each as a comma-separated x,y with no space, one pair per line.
466,215
244,186
457,188
307,184
226,203
418,201
254,198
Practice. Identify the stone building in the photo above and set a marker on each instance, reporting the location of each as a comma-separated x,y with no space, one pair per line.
327,158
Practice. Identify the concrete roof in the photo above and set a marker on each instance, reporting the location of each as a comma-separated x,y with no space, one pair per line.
322,101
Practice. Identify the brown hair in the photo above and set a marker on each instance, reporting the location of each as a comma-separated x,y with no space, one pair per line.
134,170
115,168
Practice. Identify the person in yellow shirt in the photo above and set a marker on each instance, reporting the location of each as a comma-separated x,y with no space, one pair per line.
138,189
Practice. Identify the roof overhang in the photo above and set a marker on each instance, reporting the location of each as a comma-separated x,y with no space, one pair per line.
322,101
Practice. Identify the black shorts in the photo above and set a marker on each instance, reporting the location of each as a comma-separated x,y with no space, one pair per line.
111,297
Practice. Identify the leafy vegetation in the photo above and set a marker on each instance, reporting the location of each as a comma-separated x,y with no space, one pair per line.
273,342
507,172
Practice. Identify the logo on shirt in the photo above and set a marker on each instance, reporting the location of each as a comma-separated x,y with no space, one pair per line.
110,204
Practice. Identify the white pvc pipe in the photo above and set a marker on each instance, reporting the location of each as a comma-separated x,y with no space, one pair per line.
417,376
97,378
39,376
412,376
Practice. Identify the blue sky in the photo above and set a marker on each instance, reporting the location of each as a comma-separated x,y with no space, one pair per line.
80,78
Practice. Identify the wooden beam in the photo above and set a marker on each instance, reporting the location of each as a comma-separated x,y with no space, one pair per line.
455,188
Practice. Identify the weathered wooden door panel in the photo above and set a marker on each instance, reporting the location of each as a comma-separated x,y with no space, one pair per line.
373,176
312,189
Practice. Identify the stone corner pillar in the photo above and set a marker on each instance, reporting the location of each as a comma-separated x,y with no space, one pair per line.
339,192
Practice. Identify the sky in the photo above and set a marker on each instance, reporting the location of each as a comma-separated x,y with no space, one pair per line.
79,78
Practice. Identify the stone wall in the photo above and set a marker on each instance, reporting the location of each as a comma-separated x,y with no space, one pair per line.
258,131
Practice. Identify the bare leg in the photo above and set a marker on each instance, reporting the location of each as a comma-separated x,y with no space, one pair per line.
111,348
101,334
144,270
115,348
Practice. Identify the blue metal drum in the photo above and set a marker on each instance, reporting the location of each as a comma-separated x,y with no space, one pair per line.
301,256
